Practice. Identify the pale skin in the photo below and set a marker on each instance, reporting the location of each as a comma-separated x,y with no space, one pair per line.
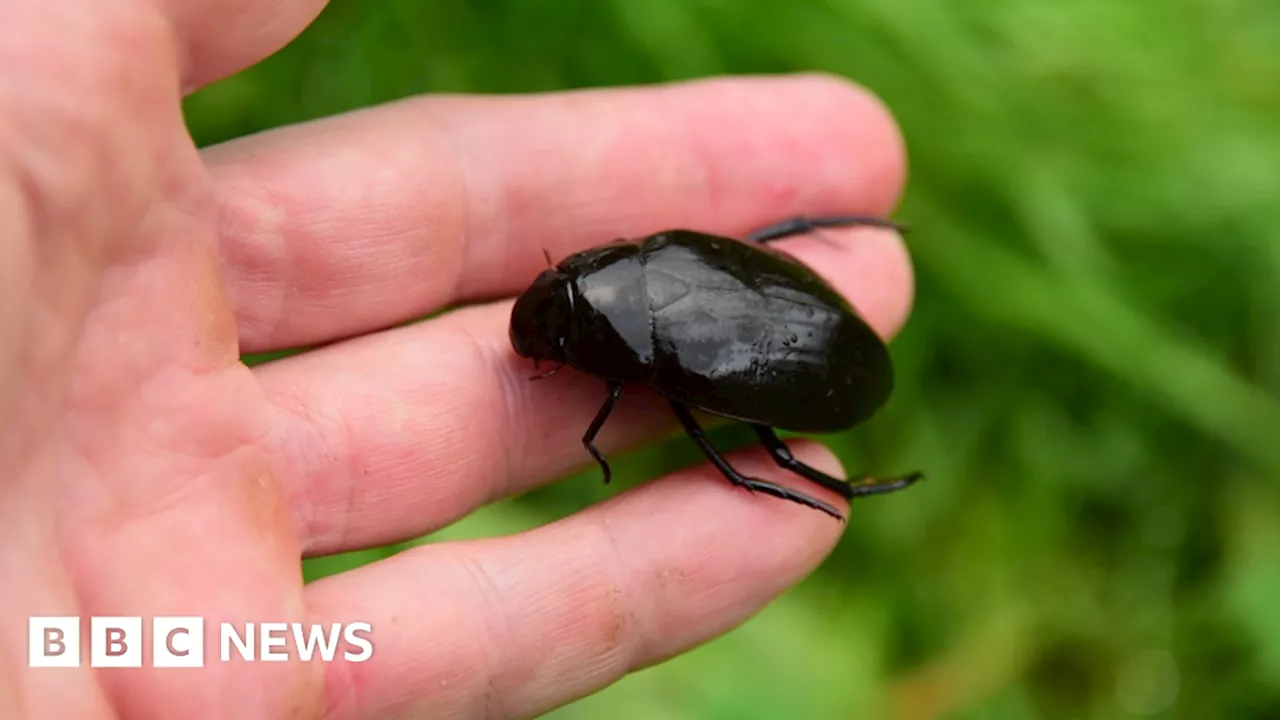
147,471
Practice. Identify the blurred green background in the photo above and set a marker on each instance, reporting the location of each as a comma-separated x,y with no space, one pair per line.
1091,376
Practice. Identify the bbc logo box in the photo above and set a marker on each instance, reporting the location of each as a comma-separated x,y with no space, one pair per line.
116,642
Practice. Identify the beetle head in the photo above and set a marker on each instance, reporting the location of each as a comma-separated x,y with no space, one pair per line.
542,316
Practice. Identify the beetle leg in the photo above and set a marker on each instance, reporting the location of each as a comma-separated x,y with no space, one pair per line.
801,225
782,455
695,432
872,486
588,440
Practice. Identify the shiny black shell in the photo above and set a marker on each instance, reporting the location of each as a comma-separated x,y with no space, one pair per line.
733,328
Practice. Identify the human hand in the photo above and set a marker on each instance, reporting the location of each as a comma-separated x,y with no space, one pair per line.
148,472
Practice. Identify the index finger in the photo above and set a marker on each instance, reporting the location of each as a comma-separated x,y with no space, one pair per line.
366,220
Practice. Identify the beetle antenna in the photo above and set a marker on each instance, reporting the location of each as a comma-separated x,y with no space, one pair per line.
547,255
548,373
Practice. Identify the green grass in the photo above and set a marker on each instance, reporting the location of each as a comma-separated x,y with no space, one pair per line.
1091,375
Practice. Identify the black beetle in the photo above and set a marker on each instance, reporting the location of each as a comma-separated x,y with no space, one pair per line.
736,329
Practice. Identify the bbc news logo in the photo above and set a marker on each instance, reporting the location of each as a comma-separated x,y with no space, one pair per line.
180,641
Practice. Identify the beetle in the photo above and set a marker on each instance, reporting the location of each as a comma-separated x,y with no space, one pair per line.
737,329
